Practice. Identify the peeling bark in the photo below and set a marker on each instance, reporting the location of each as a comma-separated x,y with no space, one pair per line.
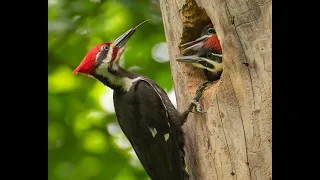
233,139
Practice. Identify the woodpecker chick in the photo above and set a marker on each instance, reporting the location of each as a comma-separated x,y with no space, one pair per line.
208,53
207,60
208,56
209,37
143,109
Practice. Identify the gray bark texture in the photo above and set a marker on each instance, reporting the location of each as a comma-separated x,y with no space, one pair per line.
233,140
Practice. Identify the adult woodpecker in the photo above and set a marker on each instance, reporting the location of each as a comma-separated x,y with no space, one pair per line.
208,54
144,111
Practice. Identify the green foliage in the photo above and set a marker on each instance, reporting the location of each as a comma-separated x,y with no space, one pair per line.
84,139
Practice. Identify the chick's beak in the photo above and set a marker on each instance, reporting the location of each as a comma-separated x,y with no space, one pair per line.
189,59
121,40
195,45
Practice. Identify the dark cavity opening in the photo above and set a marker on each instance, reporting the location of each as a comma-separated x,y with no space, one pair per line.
194,19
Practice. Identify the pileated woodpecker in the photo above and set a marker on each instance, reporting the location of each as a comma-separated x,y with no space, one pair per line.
144,111
208,53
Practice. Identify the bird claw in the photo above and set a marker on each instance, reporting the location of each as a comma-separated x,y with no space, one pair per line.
195,102
198,107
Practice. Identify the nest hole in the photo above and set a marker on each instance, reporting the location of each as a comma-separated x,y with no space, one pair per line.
194,19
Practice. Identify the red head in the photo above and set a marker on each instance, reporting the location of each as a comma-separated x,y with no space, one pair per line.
207,51
213,44
104,55
208,40
90,60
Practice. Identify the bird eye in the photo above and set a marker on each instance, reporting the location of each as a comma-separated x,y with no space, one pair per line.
104,47
211,31
209,55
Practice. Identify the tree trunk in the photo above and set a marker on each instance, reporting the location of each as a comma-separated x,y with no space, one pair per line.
233,139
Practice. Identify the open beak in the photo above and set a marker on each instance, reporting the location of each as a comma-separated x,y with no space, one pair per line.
121,40
202,62
217,58
195,45
189,59
197,61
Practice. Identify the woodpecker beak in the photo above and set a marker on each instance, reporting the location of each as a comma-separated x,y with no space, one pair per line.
201,62
121,40
196,59
196,44
189,59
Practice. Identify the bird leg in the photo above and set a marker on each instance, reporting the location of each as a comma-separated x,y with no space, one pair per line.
195,102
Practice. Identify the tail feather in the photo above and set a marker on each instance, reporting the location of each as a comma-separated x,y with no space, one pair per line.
181,144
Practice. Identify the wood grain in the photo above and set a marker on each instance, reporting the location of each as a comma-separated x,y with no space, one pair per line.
233,139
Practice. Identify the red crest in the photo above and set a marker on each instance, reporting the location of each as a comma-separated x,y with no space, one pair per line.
87,64
214,43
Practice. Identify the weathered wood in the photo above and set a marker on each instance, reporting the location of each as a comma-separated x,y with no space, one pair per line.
233,139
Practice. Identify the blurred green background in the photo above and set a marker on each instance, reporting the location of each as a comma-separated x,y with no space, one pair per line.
84,139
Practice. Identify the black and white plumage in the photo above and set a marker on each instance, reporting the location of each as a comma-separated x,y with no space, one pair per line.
143,109
208,53
154,130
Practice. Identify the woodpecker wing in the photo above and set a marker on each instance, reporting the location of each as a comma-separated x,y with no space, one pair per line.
145,122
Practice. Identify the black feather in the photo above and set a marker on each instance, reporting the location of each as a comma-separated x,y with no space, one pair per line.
148,106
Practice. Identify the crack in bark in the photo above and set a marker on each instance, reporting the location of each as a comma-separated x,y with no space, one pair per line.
264,68
247,22
254,19
229,154
251,82
244,132
246,57
248,11
266,3
221,166
248,68
215,168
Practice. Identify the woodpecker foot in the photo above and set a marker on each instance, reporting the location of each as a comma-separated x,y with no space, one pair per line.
198,107
195,102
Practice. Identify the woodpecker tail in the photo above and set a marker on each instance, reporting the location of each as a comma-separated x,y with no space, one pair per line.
175,119
181,144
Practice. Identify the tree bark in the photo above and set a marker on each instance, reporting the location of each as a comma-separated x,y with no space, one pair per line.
233,139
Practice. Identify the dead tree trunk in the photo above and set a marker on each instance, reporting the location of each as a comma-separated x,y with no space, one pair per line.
233,139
